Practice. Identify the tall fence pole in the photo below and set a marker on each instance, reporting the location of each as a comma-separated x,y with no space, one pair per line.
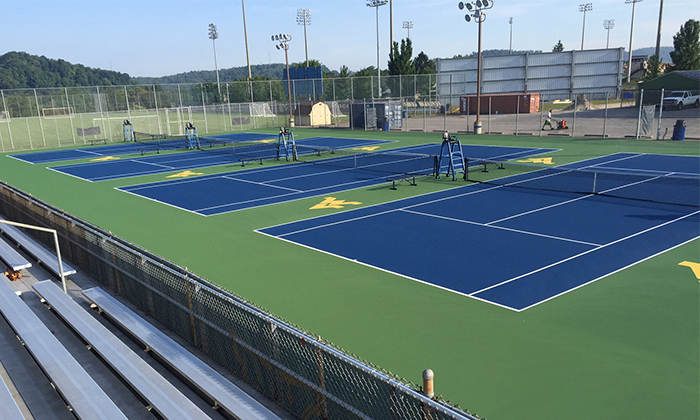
639,114
9,129
661,111
38,113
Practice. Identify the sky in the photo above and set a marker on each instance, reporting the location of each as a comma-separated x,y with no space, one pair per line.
163,37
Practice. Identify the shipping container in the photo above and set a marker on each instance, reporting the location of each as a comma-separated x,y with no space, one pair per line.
524,103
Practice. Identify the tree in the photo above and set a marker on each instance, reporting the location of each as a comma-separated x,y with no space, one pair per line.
559,47
653,68
686,44
400,60
423,64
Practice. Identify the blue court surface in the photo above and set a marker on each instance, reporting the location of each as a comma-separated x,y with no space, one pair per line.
227,192
96,152
515,245
154,164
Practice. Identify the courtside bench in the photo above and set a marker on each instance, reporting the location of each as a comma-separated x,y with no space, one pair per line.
82,394
218,389
160,394
9,410
45,257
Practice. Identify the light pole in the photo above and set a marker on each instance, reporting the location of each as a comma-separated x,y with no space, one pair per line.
584,8
476,11
608,24
510,49
304,18
245,35
214,35
376,4
283,44
407,24
629,62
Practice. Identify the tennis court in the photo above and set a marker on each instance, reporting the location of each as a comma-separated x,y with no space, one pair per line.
96,152
103,170
232,191
526,238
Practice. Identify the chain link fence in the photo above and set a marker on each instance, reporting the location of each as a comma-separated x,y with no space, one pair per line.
307,377
54,117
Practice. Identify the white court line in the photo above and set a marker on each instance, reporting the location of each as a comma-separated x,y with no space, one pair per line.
384,270
294,194
261,183
585,252
602,163
524,232
89,152
169,168
159,202
65,173
604,275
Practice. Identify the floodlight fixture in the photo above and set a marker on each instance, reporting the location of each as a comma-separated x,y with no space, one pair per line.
585,7
510,49
376,4
407,24
283,44
214,35
629,62
608,24
479,16
304,18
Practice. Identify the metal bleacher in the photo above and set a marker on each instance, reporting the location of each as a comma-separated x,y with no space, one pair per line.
218,389
80,392
13,259
161,396
9,410
45,257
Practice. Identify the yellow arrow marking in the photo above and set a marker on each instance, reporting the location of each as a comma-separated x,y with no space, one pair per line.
693,266
366,148
184,174
104,159
332,203
546,161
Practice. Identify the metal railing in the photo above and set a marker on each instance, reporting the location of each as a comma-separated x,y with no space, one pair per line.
304,375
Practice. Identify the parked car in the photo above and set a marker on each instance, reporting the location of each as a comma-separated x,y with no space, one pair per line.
681,98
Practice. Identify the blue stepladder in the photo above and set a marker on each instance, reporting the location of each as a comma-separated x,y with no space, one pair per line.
286,141
191,137
451,151
128,130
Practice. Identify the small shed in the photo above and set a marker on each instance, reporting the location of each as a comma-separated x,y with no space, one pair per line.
313,114
675,80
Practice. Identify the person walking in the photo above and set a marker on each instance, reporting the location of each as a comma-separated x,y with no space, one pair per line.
548,121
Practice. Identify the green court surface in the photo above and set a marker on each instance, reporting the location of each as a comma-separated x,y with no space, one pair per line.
623,347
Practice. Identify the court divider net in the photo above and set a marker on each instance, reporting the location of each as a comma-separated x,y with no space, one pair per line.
632,185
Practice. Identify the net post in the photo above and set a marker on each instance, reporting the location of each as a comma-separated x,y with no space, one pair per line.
435,166
466,169
428,376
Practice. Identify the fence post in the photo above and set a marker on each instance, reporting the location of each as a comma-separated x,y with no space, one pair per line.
661,111
573,123
639,114
428,376
9,129
517,114
605,118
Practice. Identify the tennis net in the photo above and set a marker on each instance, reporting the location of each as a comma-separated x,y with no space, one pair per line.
667,188
241,149
158,141
391,163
